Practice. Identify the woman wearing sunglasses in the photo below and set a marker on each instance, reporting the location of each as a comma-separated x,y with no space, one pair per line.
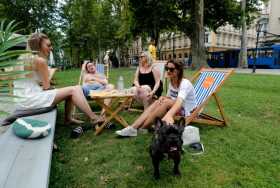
180,100
147,81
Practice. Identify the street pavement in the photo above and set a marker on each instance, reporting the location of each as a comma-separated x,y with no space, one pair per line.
258,71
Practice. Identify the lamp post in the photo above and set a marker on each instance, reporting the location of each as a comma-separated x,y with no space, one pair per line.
258,29
261,26
173,38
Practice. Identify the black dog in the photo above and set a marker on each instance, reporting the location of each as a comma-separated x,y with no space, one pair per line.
167,139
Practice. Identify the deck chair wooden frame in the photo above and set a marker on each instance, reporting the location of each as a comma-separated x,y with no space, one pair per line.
197,116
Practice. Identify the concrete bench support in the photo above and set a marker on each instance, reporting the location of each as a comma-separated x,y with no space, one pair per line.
26,163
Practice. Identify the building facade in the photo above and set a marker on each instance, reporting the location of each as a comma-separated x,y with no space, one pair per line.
270,22
226,37
274,16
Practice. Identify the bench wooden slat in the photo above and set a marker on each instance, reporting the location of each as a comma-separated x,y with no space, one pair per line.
26,163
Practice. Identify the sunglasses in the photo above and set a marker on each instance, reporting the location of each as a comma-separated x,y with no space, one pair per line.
142,56
170,69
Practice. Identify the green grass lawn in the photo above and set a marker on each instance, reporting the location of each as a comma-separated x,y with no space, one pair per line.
244,154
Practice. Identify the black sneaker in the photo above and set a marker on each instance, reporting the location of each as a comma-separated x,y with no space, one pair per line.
77,132
110,125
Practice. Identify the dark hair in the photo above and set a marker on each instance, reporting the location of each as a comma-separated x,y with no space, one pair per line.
88,63
35,41
179,67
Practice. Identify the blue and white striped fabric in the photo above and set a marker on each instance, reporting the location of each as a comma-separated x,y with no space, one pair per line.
201,92
100,68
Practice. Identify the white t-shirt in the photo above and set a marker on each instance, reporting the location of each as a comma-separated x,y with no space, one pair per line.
186,92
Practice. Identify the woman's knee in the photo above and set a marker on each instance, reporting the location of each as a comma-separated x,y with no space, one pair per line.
146,88
77,89
168,103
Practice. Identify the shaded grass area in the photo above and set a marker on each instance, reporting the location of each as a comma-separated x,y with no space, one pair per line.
244,154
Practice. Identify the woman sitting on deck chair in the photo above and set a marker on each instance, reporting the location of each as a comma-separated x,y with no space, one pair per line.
147,83
35,96
180,100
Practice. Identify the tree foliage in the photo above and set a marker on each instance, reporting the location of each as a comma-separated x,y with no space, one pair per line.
157,16
94,26
8,61
153,17
30,14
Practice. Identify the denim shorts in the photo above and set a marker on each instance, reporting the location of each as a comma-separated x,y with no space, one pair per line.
96,86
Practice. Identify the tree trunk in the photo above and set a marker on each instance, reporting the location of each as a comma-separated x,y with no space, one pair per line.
243,52
197,37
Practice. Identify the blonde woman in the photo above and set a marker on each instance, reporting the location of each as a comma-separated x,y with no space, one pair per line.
147,80
40,96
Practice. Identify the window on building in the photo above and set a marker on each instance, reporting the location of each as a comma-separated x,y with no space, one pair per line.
180,55
206,38
186,55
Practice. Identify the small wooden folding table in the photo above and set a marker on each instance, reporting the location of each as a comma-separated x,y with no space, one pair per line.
121,98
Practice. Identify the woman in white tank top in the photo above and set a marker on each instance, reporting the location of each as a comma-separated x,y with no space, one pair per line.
35,95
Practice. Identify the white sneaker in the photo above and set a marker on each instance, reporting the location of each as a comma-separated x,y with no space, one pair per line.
128,131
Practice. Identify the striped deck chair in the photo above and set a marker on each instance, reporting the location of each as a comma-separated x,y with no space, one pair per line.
103,68
208,82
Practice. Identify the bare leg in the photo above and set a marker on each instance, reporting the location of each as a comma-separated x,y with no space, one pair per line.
159,112
157,109
142,96
77,97
68,118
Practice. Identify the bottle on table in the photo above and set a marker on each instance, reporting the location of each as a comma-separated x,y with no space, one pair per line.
120,84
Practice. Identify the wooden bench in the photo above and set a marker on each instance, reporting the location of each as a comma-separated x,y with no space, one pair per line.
26,163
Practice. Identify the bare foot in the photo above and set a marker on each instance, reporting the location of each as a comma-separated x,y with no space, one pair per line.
98,119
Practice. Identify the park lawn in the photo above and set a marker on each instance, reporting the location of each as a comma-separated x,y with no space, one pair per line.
244,154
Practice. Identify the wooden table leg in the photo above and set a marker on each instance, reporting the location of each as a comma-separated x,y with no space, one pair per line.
113,114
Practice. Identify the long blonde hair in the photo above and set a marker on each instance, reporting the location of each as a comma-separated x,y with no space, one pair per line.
148,56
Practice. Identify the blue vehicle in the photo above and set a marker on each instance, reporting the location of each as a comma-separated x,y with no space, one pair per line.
223,59
267,57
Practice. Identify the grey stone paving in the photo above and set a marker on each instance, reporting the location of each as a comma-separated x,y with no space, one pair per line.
258,71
